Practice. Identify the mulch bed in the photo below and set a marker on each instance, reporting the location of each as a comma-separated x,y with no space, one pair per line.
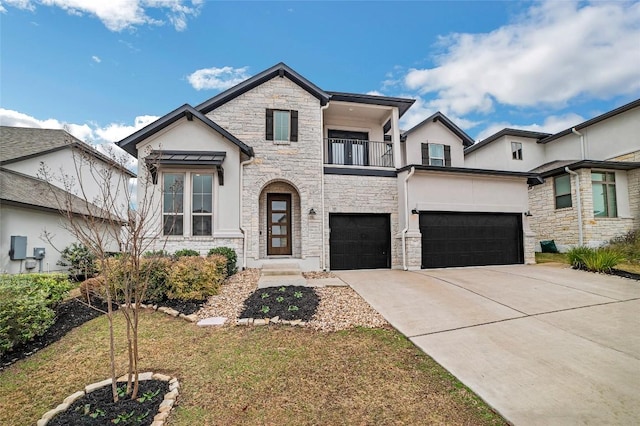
625,274
186,307
286,302
98,408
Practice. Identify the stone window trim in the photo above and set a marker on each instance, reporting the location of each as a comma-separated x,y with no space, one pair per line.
187,217
430,155
516,150
275,118
562,195
605,200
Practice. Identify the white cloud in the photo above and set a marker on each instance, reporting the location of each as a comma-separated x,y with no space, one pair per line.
555,52
96,59
115,132
217,78
118,15
422,109
552,124
375,93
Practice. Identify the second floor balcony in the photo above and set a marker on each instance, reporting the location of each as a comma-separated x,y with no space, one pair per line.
357,152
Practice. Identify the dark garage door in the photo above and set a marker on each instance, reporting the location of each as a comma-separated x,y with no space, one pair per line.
470,239
359,241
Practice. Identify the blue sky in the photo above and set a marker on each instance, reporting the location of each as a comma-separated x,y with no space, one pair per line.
105,69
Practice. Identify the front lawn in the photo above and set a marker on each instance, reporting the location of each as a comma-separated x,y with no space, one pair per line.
254,375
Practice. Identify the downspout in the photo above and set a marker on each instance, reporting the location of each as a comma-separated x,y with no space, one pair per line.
244,234
406,218
575,132
323,264
578,199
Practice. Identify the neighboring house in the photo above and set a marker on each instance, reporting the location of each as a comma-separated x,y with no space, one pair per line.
29,206
590,175
278,168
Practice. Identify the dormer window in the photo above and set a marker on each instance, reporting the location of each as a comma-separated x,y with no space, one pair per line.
516,150
435,154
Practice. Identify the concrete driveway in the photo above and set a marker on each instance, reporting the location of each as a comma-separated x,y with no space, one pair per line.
542,345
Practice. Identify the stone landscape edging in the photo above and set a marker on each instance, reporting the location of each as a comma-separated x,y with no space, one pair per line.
163,411
267,321
169,311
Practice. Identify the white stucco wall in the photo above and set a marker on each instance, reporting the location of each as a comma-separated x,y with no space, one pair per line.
185,135
433,132
86,180
616,136
497,155
33,223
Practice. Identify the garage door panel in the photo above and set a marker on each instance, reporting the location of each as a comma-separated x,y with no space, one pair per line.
359,241
470,239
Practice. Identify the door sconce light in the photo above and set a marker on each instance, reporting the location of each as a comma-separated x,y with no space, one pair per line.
312,211
528,213
415,211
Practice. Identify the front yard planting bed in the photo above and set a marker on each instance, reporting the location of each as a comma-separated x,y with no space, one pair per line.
98,408
285,302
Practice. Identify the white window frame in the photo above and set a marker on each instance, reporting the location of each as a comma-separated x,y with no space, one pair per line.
187,202
516,150
286,127
433,157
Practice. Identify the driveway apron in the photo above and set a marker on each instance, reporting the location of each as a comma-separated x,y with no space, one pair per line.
542,345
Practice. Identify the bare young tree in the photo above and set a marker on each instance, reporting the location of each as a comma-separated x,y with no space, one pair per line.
100,209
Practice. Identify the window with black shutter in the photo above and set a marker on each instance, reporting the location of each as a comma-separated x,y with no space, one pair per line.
281,125
434,154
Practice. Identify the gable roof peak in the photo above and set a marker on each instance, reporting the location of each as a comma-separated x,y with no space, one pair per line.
438,116
278,70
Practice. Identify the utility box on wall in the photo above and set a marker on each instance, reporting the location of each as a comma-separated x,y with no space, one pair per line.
18,250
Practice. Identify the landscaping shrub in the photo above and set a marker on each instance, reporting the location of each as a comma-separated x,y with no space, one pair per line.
156,253
80,261
196,278
575,256
628,244
156,270
230,254
185,253
26,306
595,260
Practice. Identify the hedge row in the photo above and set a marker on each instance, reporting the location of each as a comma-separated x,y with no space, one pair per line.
184,278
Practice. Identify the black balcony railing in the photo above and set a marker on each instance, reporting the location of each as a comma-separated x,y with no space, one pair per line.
354,152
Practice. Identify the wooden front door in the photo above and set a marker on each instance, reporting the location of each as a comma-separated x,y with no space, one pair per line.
278,224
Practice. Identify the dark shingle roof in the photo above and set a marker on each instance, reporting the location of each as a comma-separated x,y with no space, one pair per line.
27,191
21,143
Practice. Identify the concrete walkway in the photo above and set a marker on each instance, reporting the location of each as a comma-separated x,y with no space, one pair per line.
542,345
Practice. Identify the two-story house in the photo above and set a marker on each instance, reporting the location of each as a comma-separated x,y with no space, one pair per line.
278,168
590,186
32,229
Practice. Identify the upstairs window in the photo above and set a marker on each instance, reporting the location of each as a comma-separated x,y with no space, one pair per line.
562,191
603,185
434,154
516,150
281,125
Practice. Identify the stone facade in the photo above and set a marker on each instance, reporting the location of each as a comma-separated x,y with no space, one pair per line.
293,167
561,225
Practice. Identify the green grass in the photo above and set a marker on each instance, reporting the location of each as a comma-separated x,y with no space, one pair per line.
551,258
255,375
